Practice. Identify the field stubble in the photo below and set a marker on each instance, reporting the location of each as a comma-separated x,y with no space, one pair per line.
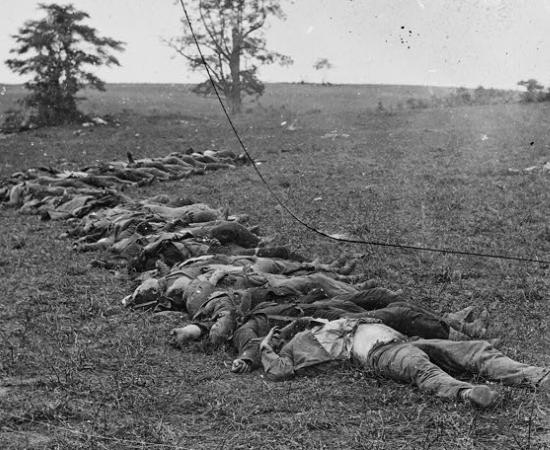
79,371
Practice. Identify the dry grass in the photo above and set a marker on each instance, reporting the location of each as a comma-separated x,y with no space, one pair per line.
79,371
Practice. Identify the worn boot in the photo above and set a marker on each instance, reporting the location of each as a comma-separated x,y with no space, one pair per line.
455,335
480,396
469,314
464,315
475,329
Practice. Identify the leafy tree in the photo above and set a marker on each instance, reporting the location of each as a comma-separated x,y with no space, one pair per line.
323,64
481,95
534,90
463,95
230,34
531,85
58,49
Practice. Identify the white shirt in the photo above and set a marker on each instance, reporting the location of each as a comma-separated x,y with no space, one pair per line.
370,335
336,337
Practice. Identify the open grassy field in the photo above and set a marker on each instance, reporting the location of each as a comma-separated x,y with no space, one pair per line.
77,370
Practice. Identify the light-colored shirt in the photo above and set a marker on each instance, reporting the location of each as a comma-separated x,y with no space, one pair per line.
336,337
369,336
335,340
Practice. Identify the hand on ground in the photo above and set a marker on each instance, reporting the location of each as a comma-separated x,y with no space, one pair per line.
180,336
240,366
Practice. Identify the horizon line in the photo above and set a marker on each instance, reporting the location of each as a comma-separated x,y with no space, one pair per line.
327,84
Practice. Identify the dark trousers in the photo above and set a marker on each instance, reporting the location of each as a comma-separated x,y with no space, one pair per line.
429,363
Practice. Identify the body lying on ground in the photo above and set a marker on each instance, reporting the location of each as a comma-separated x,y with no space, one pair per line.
190,285
41,190
140,235
245,321
426,363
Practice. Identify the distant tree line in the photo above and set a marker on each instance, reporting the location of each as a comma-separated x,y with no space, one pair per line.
462,96
481,96
534,91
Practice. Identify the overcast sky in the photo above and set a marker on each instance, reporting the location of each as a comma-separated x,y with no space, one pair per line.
425,42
